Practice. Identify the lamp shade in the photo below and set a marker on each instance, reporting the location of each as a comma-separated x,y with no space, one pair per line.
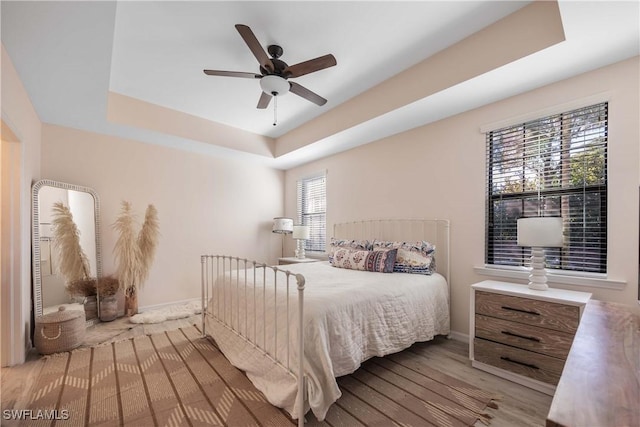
302,232
282,225
541,232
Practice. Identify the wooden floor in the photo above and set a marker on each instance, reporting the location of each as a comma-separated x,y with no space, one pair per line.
519,405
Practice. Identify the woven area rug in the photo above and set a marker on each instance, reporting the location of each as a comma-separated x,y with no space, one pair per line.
174,378
180,378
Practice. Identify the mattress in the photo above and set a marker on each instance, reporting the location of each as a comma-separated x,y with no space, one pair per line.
350,316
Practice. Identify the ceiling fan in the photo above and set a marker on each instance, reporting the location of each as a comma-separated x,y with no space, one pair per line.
274,73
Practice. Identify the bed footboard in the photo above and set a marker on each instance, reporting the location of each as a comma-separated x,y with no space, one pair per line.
232,287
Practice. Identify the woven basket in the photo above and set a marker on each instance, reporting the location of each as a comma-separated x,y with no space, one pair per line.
59,331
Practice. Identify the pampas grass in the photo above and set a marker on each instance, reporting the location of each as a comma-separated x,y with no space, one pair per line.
82,287
126,250
134,254
108,286
74,264
147,241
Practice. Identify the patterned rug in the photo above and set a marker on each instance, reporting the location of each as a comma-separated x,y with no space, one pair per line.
179,378
174,378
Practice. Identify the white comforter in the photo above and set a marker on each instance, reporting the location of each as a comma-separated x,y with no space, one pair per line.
350,316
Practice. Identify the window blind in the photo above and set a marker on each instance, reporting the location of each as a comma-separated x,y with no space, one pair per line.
552,166
312,203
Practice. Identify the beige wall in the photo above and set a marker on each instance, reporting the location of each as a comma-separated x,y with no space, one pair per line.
205,204
438,171
19,116
137,113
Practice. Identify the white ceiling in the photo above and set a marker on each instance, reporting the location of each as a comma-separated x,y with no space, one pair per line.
71,54
160,49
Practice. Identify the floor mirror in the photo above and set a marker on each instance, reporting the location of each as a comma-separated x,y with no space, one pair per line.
50,289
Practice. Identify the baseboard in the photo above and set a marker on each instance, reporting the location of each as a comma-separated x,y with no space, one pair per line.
459,336
167,304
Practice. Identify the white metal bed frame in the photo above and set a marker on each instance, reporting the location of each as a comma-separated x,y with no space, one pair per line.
222,310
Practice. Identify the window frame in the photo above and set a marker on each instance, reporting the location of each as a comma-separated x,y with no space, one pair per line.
316,244
491,195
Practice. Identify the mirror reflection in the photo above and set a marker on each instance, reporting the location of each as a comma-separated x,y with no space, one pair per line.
51,288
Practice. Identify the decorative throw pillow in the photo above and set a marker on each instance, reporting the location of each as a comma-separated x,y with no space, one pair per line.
335,244
412,257
381,261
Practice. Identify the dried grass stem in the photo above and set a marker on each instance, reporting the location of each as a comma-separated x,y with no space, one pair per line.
74,264
134,254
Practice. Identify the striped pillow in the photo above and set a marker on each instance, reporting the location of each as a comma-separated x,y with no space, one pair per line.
412,257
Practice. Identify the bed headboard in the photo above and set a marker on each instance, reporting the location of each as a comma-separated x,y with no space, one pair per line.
435,231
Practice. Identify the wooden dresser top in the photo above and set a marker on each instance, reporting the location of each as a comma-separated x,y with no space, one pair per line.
551,294
600,383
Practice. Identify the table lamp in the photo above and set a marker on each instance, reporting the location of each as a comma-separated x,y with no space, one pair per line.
282,225
539,233
301,233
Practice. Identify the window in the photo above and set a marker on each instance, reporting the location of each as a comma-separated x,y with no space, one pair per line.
312,206
552,166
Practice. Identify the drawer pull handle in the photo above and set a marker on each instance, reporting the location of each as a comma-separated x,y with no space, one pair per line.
528,365
519,310
512,334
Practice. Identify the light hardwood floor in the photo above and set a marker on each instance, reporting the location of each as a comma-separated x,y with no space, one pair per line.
519,406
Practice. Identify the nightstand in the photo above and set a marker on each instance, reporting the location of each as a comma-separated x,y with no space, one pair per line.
521,334
294,260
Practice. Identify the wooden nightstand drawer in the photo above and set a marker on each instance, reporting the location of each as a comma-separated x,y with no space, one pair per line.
533,365
521,334
528,337
550,315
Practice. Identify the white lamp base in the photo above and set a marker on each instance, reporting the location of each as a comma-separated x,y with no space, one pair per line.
538,275
300,249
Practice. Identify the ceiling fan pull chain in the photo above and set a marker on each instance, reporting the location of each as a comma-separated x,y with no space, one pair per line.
275,110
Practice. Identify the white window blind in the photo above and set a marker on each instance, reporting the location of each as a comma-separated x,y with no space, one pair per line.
312,206
552,166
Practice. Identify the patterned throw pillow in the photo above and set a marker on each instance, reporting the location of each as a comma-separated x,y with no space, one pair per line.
381,261
335,244
412,257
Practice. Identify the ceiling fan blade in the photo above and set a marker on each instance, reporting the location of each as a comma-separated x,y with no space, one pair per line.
310,66
232,74
264,100
255,46
307,94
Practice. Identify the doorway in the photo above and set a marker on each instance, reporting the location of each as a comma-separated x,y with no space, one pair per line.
10,251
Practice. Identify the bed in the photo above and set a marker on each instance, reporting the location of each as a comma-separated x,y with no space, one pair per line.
253,313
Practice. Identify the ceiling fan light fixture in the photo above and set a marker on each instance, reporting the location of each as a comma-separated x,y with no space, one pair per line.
274,85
